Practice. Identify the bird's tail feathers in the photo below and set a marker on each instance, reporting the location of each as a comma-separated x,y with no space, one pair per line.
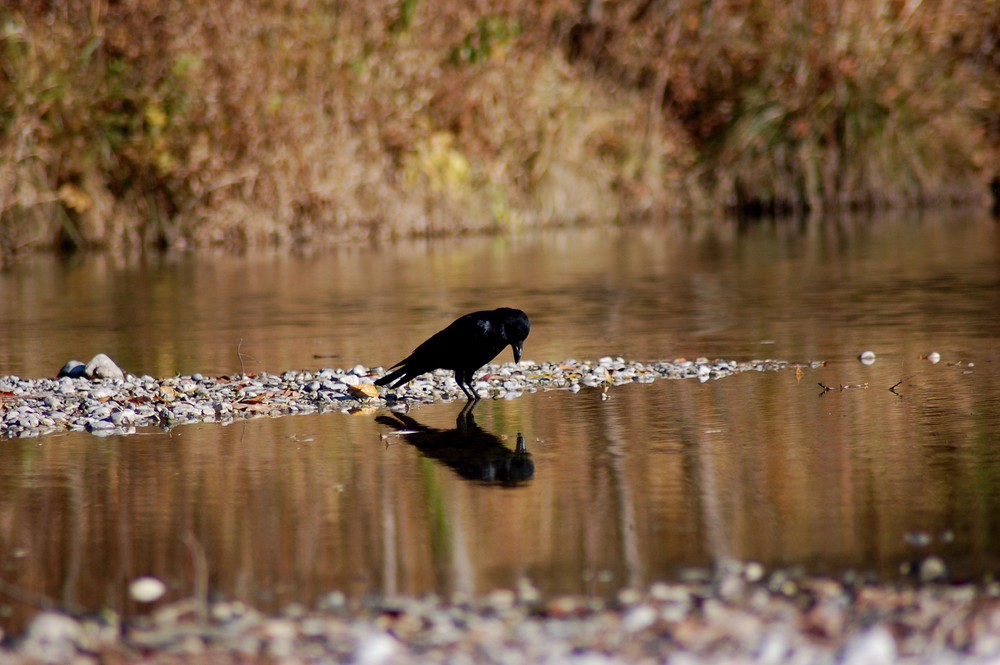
390,377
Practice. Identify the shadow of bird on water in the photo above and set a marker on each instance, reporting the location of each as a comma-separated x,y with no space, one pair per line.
469,450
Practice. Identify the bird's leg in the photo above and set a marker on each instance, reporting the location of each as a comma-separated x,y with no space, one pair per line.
464,380
460,380
465,416
468,380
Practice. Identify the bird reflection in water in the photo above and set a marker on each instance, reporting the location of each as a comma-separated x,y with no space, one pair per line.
469,450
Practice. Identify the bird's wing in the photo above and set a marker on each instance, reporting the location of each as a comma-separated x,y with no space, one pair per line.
460,344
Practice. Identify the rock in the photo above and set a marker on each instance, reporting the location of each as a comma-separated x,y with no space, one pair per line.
376,648
932,569
917,538
123,417
363,391
103,367
99,426
52,638
501,599
875,646
639,618
102,393
753,571
146,589
74,369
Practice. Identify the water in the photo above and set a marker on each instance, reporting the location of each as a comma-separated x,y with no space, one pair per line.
611,490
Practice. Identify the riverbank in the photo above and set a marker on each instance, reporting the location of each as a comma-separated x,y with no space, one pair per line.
303,123
105,407
739,614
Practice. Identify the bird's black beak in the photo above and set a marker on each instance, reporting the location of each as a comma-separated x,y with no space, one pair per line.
517,352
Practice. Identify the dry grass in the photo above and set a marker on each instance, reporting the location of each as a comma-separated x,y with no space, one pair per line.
824,103
286,121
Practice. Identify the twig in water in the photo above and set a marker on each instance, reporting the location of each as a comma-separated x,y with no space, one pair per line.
39,600
841,387
892,389
240,354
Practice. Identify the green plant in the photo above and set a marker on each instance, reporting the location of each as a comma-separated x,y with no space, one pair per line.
490,35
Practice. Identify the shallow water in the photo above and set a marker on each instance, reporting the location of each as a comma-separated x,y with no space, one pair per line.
611,491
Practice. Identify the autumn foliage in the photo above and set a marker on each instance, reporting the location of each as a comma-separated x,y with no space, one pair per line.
138,123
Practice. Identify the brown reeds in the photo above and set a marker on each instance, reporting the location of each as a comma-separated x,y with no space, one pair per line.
823,103
278,121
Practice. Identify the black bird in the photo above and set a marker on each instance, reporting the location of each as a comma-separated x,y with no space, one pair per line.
466,345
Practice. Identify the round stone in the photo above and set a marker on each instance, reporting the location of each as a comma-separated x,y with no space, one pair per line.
146,589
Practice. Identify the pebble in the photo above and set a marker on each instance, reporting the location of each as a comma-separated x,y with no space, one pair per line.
825,622
103,367
932,569
52,638
867,358
917,538
875,646
146,589
73,369
639,618
106,401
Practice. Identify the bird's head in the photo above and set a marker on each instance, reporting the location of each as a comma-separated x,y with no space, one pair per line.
515,330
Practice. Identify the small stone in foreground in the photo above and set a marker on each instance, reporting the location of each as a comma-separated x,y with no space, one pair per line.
146,589
932,569
52,638
876,646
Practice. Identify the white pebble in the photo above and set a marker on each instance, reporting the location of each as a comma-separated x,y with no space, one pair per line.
146,589
873,647
376,649
638,618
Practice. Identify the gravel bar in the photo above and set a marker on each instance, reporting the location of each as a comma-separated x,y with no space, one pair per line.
104,407
741,615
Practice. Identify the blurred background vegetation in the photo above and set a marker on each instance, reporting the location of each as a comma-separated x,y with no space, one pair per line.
127,123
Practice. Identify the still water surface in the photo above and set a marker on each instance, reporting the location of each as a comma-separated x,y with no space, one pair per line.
609,492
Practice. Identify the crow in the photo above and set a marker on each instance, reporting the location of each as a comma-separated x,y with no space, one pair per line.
466,345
